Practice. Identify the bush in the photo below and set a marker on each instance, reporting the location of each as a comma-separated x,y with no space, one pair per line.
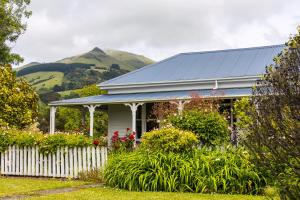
47,143
211,128
167,140
201,171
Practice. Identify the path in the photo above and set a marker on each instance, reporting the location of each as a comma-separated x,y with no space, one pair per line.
39,193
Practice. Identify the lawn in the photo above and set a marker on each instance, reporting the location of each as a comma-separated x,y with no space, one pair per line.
30,186
44,79
114,194
16,186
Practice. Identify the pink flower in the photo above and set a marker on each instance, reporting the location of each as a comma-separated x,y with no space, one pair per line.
127,129
123,139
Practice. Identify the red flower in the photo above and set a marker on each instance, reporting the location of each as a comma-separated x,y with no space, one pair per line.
96,142
127,129
131,136
116,133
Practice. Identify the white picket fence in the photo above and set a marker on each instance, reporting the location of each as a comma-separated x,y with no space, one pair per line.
66,162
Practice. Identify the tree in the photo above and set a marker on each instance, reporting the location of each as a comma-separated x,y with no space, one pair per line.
274,129
11,27
18,100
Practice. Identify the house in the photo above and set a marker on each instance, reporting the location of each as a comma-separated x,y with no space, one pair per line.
130,97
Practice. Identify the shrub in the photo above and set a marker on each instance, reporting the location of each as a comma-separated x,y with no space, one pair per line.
47,143
211,128
200,171
169,139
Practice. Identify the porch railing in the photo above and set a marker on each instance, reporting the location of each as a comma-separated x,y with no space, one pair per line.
65,162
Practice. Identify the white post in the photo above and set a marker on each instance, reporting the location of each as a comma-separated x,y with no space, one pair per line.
91,110
180,105
52,119
231,113
133,107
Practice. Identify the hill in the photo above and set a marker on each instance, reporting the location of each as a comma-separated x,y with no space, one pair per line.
78,71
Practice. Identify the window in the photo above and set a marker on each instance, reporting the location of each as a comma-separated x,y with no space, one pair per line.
145,120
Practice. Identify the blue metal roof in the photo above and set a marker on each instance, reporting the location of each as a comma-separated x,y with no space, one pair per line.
153,96
203,65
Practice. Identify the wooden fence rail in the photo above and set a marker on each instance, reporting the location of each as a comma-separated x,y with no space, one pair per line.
66,162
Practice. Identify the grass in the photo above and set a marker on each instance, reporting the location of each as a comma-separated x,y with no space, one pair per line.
16,186
29,186
114,194
44,79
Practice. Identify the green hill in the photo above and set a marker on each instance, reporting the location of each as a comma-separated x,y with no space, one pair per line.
78,71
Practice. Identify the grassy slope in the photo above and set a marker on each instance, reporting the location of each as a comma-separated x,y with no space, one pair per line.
126,60
114,194
13,186
44,79
101,59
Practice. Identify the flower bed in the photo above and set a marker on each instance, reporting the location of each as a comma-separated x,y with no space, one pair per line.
46,143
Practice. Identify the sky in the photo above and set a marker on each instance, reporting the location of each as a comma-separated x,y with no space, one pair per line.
154,28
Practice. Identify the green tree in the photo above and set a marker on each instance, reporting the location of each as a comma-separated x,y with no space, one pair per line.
77,119
12,12
18,100
274,129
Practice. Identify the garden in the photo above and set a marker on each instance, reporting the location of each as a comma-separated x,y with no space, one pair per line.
191,156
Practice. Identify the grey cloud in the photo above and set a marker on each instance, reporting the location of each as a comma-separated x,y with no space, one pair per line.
156,28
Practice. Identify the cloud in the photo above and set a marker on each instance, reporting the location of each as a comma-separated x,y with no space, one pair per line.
154,28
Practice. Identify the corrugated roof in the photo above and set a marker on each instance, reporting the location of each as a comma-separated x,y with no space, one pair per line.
153,96
203,65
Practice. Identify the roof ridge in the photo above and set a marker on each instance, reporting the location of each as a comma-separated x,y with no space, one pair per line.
234,49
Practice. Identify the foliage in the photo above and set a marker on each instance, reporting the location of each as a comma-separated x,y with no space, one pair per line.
49,67
274,129
242,108
169,140
211,128
11,15
162,110
18,101
201,171
47,143
74,118
123,143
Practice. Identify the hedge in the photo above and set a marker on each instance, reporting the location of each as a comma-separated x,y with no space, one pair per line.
47,143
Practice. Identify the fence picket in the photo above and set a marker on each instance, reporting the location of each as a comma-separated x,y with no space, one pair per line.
65,162
71,162
37,161
93,158
17,160
84,158
58,162
62,162
53,165
25,161
75,161
88,155
41,165
79,160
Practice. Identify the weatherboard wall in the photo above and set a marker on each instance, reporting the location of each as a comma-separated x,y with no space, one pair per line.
119,118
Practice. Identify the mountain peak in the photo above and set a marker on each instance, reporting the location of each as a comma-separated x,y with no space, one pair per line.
97,50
